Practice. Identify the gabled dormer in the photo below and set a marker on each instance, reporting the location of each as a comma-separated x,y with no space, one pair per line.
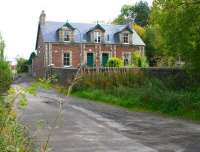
66,33
124,36
96,34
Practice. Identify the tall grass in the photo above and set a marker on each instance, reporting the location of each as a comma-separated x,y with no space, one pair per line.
134,90
13,137
5,76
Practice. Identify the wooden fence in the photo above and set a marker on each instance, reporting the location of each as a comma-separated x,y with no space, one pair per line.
66,75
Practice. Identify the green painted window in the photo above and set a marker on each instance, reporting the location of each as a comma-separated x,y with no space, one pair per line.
105,57
90,59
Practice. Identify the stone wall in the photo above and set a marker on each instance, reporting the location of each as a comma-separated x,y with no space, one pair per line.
64,75
163,73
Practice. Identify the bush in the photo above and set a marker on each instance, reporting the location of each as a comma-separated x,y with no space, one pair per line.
22,65
104,80
139,60
5,76
115,62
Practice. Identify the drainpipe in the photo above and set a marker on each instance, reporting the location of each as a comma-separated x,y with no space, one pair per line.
81,54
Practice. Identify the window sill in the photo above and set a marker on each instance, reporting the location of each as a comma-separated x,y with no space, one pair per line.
67,66
126,43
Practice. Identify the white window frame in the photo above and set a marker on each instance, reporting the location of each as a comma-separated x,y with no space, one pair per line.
125,55
66,35
125,35
97,37
70,59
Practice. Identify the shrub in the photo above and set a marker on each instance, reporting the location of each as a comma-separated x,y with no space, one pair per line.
22,65
139,60
5,76
104,80
115,62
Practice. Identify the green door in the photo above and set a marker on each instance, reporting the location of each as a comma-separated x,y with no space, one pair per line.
104,58
90,59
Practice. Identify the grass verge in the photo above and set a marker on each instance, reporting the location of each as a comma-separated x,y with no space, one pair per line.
13,135
136,92
173,107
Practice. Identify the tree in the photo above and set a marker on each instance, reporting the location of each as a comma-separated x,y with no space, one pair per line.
2,46
140,11
155,48
22,65
33,55
140,30
179,26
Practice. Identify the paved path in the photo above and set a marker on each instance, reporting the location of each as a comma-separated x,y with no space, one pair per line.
86,126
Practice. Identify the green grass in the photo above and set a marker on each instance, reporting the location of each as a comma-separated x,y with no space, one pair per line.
5,76
101,96
169,104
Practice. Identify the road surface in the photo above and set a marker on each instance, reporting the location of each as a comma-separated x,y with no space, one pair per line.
86,126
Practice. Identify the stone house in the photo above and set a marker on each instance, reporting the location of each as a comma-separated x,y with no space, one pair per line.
70,45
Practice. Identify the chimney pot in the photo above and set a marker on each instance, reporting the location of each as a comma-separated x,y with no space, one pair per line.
42,18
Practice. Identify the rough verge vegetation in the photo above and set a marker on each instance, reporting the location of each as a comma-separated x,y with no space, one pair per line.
135,91
12,134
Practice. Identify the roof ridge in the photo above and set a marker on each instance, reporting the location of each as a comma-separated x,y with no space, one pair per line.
104,24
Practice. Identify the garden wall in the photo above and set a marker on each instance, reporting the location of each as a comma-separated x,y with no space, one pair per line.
64,75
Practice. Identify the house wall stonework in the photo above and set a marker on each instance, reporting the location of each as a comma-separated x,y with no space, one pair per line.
53,54
121,49
59,49
39,60
97,49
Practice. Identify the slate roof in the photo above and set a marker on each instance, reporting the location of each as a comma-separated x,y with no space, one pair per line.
50,35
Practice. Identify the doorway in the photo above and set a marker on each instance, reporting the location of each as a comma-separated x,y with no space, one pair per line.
90,59
105,57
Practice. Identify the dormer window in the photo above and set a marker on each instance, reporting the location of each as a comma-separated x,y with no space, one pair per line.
97,37
125,38
66,36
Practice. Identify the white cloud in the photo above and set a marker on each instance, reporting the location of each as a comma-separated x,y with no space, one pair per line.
19,19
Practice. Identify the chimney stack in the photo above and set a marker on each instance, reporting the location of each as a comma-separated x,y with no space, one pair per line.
42,18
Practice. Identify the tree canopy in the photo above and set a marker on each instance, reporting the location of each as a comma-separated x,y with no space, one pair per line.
170,29
140,11
178,23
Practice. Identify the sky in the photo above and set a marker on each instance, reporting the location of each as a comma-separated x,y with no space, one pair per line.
19,19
